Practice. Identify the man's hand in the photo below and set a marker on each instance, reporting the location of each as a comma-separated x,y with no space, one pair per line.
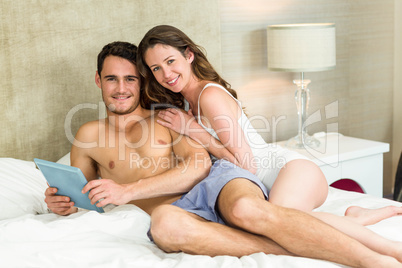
60,205
106,192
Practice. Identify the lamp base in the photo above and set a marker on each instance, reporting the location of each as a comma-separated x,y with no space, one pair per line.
301,142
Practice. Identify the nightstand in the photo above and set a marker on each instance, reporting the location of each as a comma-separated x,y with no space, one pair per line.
342,157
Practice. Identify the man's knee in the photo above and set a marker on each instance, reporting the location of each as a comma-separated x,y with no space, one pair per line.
244,211
168,228
253,214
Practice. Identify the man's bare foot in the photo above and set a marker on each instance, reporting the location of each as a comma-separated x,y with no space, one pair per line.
367,216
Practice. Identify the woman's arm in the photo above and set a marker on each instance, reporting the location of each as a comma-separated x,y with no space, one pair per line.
186,124
223,114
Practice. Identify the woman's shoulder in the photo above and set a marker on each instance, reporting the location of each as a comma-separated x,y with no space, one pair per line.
215,100
213,90
209,84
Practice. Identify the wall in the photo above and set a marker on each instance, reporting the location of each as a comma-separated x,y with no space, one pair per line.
362,82
397,124
48,55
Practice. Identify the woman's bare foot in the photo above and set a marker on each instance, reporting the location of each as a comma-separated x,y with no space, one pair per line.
386,263
397,250
365,216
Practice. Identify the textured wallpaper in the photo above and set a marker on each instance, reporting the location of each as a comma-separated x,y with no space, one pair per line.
48,55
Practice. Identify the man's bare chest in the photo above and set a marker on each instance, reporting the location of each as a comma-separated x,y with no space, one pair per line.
132,158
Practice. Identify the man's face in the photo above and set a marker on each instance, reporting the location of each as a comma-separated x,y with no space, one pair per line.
120,84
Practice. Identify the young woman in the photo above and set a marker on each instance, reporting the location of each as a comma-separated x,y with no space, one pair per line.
176,71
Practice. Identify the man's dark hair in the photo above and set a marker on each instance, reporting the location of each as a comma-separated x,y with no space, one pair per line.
124,50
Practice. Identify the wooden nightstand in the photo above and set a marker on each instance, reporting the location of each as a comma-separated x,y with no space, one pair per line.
342,157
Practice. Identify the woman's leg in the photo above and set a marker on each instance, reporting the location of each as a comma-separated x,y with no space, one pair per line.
365,216
300,185
362,234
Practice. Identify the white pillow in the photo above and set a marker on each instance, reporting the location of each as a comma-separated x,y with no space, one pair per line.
22,188
65,160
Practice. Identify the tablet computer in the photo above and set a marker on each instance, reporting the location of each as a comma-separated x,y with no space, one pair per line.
68,180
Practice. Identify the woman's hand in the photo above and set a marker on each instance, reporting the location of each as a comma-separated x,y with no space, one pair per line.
177,120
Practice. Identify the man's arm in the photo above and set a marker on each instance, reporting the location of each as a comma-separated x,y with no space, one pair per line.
79,158
193,165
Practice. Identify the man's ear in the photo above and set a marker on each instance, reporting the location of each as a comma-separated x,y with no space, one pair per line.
98,80
189,55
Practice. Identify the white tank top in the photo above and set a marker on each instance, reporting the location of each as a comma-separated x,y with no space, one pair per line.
256,142
270,158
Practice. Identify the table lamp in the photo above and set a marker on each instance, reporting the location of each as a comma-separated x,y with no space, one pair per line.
305,47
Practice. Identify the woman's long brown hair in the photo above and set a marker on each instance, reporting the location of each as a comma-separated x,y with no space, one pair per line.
154,95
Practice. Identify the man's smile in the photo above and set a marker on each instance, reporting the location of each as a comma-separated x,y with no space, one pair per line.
121,97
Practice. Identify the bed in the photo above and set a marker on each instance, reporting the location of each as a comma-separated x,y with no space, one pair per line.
48,54
30,236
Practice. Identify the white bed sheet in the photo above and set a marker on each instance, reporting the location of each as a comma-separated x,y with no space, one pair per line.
118,239
30,237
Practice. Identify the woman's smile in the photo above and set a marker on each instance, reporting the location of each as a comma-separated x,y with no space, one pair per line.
174,81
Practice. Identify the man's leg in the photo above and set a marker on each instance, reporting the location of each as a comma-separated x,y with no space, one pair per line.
242,205
174,229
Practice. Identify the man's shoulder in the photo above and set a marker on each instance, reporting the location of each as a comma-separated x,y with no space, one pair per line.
92,125
90,130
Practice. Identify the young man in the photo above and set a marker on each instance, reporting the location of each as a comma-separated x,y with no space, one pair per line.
139,161
227,213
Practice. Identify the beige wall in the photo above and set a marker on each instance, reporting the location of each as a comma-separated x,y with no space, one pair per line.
397,124
362,82
48,55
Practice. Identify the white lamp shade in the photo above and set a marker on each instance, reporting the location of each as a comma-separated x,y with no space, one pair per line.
307,47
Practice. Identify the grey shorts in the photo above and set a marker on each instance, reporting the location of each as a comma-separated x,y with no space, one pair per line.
201,200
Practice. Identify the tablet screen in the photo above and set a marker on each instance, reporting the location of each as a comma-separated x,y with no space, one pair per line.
68,180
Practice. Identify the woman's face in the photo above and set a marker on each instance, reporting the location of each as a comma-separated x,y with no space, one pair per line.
170,68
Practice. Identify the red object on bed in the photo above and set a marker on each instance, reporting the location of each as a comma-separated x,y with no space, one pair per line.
348,185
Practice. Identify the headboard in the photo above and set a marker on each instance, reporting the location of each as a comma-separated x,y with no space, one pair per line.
48,62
